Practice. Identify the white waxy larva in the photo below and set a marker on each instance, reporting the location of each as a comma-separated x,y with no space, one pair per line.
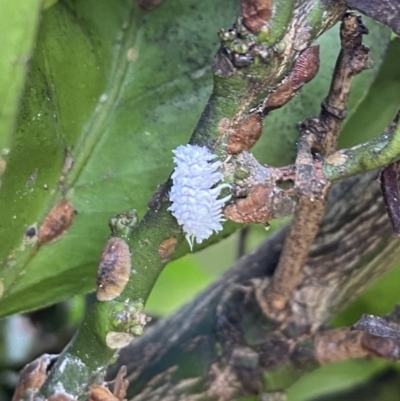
194,193
114,269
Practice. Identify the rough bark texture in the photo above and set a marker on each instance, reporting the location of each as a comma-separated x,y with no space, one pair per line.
223,336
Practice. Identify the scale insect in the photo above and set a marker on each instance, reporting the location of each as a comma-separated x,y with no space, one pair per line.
114,269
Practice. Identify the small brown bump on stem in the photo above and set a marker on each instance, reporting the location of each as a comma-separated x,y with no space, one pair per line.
256,13
255,208
391,195
114,269
305,68
56,223
166,249
118,340
261,205
245,134
280,96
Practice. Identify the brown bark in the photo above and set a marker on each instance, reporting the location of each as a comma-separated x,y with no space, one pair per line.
223,336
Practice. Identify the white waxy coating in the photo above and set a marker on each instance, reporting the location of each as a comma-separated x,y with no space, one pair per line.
194,194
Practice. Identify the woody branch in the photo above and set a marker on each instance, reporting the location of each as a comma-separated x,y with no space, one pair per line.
251,62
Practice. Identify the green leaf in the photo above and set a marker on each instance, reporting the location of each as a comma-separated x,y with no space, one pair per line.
116,88
18,25
179,282
334,377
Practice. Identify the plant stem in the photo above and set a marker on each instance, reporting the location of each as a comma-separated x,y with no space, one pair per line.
316,134
377,152
238,90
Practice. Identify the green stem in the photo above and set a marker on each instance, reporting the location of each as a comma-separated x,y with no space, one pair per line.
377,152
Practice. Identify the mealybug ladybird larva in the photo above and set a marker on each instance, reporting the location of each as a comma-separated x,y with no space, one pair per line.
114,269
197,184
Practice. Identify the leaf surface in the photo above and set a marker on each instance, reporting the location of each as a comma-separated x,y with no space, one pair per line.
18,25
112,89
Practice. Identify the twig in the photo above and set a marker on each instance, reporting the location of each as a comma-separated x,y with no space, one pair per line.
386,12
353,59
375,153
308,214
316,135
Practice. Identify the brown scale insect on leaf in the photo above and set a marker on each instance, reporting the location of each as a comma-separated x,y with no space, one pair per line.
56,223
114,269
